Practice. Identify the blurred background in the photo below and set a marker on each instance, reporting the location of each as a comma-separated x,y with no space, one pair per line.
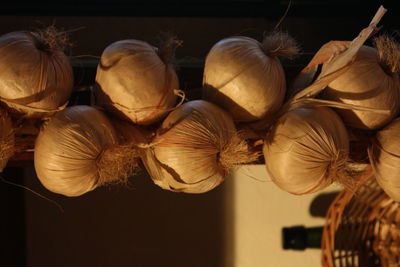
237,224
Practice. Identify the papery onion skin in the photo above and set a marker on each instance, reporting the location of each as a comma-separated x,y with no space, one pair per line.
192,167
366,83
384,155
34,80
245,77
68,148
189,152
134,83
306,149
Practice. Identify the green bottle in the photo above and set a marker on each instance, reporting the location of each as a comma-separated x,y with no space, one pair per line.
301,238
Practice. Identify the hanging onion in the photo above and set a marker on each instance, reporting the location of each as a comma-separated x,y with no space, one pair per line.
371,81
36,76
6,139
78,150
245,77
384,156
307,150
137,81
195,148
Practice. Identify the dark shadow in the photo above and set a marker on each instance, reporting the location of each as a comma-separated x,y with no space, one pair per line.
81,95
12,219
320,204
84,72
139,225
359,151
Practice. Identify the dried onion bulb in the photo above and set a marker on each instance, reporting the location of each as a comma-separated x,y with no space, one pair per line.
78,150
306,150
245,77
135,83
36,77
384,155
371,81
195,148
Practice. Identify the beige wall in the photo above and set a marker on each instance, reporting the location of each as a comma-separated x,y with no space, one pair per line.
258,211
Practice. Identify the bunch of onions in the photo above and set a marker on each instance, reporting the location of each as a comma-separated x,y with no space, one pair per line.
195,148
245,77
307,149
137,81
78,149
384,155
36,77
371,81
6,139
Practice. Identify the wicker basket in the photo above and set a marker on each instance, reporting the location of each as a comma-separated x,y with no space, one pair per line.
362,228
